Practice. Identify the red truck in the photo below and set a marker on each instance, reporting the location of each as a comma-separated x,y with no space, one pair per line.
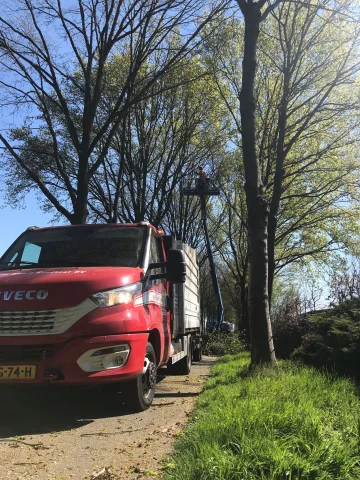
98,304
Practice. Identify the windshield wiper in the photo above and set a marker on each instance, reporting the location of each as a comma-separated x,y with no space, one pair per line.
56,263
12,265
21,262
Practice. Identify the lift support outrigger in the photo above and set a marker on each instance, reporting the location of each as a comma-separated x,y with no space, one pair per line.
204,188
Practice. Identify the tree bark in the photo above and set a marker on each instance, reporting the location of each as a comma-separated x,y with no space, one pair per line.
262,347
278,181
81,211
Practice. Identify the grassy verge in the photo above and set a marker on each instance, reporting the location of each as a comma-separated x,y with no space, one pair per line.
291,424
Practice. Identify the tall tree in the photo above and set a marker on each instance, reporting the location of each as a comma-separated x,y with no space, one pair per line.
318,125
308,125
262,346
48,76
158,149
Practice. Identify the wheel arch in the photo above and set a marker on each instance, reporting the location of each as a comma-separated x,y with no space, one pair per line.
154,339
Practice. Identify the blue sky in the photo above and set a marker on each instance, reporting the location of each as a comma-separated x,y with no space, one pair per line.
14,221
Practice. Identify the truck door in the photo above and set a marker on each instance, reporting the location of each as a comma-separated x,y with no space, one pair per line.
157,301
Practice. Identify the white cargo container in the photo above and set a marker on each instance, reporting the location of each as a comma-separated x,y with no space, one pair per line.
186,324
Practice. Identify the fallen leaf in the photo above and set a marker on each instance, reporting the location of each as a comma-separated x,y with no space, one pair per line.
104,474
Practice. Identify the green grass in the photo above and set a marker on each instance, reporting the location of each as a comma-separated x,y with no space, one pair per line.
293,423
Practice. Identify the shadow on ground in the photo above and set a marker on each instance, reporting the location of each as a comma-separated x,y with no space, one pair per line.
176,395
30,410
35,410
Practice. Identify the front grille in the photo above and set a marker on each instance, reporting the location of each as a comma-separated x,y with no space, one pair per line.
31,353
37,322
42,322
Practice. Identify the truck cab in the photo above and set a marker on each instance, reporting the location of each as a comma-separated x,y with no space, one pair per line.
93,304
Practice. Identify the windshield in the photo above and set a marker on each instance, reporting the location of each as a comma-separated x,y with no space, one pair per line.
76,246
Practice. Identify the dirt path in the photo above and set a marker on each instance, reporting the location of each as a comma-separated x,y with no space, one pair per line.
67,434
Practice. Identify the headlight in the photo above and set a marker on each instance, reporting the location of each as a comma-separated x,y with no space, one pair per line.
117,296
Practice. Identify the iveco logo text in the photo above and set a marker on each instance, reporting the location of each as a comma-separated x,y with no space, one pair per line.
24,295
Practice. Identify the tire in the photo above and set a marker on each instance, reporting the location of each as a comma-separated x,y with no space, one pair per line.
140,392
197,354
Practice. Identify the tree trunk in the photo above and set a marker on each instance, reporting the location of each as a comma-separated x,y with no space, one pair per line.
262,348
278,181
81,211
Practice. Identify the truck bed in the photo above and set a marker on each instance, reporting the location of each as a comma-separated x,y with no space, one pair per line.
186,296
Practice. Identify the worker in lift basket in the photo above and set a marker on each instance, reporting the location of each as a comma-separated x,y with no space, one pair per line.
202,180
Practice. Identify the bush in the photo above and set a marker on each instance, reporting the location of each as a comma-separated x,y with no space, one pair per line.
222,343
287,324
287,337
333,339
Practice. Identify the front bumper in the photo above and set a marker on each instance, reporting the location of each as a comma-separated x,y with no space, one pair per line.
62,367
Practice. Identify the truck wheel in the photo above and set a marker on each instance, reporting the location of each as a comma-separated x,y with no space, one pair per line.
197,355
140,392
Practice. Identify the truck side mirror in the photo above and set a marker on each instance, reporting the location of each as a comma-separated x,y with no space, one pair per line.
176,268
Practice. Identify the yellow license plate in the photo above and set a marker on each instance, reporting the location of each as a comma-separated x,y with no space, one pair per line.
17,372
